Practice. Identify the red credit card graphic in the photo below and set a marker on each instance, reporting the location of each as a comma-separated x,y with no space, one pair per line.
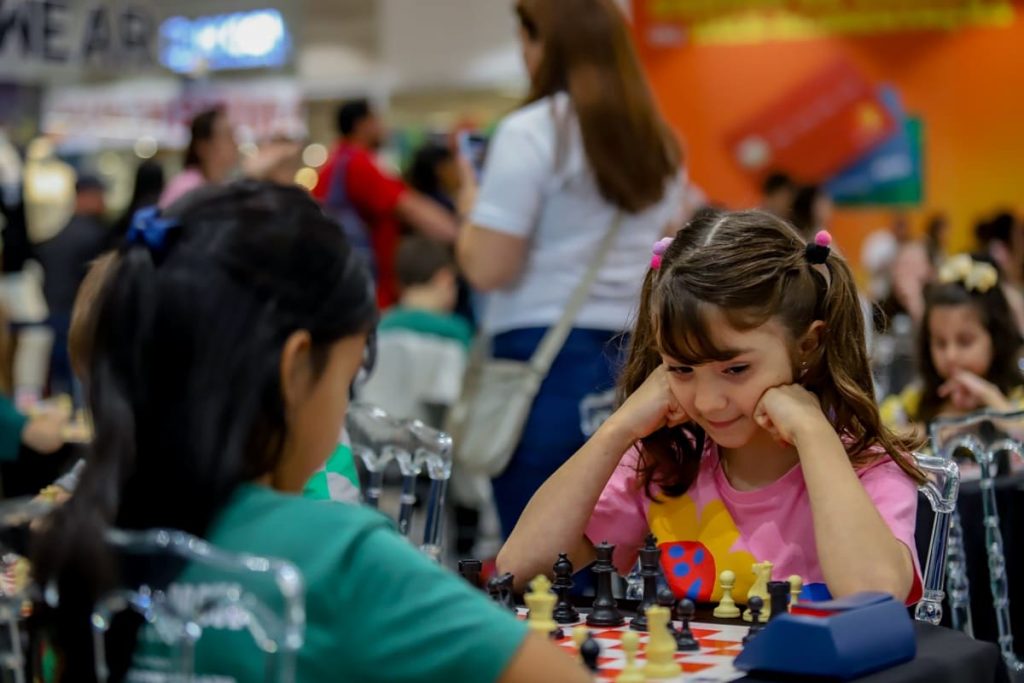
815,129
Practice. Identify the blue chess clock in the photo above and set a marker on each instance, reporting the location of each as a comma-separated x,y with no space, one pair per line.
842,639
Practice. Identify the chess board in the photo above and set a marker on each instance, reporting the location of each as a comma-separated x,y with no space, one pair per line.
719,646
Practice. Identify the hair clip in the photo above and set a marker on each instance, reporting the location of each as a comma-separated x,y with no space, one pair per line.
817,251
148,229
975,276
660,247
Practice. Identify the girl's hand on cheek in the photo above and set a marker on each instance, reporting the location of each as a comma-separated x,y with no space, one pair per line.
651,407
965,391
788,412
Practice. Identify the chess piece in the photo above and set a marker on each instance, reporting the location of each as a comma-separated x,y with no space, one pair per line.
755,604
667,599
579,636
564,612
494,589
762,575
796,586
500,590
605,610
685,642
590,652
631,672
541,602
470,571
661,648
650,569
727,608
778,592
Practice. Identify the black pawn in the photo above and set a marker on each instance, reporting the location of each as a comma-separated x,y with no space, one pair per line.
778,593
470,571
605,610
685,642
564,612
650,566
590,651
756,604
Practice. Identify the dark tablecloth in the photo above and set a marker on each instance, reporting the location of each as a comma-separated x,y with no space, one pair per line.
1010,502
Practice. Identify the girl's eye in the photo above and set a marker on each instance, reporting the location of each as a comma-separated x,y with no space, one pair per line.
680,369
737,369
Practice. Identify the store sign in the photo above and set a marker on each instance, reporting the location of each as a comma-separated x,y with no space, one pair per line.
117,115
243,40
43,38
677,22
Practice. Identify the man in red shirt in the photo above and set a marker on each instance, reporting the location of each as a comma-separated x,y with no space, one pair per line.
370,203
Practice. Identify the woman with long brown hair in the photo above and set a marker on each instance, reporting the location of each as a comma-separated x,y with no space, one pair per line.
588,151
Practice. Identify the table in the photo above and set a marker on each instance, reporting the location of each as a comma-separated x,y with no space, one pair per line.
1010,501
943,655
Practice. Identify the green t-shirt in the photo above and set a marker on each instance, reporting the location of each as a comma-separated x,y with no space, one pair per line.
12,424
376,609
337,480
448,326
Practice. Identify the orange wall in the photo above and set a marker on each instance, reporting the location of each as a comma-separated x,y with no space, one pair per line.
968,86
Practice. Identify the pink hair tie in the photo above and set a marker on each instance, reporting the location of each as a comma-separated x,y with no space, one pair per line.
818,251
660,247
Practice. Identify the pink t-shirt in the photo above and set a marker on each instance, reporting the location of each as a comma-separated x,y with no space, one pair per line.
180,185
713,527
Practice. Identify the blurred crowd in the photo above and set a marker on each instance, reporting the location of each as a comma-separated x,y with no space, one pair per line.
470,247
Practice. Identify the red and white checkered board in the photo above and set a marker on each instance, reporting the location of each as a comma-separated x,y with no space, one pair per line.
719,646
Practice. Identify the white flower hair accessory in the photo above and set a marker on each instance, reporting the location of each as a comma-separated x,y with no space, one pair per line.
975,276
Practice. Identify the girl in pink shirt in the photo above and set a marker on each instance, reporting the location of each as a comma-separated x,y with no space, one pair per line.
749,429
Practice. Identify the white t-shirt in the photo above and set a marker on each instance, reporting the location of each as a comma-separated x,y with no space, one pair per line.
562,213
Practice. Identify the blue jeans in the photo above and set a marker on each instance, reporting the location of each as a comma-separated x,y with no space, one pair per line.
574,398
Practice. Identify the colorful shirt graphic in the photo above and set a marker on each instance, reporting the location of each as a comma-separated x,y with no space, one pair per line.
713,527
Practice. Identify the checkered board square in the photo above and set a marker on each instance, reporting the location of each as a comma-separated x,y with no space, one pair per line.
719,646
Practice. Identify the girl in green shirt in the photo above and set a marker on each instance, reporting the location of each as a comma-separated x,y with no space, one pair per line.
225,339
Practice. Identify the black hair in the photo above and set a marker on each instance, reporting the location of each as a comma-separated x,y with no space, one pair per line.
201,130
184,387
997,229
149,184
802,214
777,181
350,114
419,259
996,317
422,175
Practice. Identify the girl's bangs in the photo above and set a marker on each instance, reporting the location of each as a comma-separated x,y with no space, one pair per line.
682,329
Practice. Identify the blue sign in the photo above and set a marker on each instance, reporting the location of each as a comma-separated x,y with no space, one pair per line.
257,39
891,173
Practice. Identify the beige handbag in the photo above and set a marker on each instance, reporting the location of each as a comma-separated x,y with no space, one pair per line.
487,421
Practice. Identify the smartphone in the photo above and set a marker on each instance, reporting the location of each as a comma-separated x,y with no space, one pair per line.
473,146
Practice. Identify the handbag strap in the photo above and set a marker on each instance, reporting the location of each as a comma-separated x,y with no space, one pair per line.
554,338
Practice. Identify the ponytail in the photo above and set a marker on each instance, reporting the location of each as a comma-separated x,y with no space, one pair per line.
842,377
184,380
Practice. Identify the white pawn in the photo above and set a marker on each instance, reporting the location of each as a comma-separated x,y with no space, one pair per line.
631,673
796,585
727,608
